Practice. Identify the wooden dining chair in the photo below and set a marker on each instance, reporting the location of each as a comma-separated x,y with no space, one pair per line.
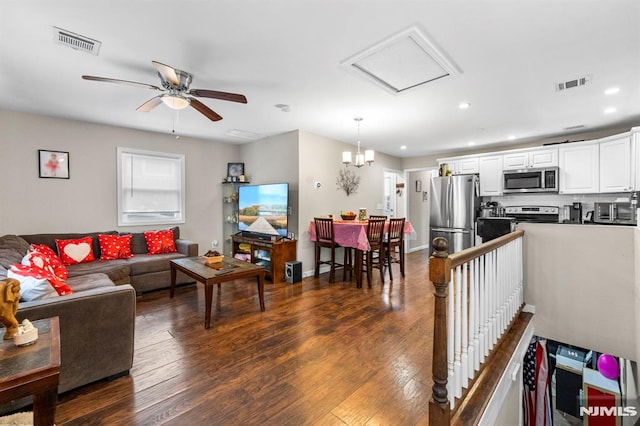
375,216
325,238
374,257
393,240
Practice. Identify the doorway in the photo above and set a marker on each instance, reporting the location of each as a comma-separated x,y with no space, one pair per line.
417,188
393,203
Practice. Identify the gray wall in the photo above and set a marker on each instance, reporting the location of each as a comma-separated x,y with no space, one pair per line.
87,201
581,280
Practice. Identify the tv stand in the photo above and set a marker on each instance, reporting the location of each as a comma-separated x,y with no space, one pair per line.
272,254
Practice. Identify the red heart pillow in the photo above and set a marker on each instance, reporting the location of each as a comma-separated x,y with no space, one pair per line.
160,241
76,251
115,246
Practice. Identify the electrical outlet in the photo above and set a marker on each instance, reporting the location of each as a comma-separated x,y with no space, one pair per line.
214,243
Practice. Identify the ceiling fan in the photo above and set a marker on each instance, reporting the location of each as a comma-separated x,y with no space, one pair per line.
177,95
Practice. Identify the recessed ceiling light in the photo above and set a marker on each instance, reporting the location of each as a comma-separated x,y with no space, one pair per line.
609,110
512,137
612,91
403,147
464,105
471,143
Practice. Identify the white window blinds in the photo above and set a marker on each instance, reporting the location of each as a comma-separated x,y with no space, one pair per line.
150,187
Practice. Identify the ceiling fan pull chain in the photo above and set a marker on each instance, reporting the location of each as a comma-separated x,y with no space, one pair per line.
175,124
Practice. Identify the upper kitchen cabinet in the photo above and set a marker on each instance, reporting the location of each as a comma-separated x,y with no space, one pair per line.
615,164
461,165
536,158
490,169
579,168
635,150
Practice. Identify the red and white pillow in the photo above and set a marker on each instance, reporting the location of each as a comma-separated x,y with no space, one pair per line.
75,251
115,246
48,256
160,241
41,274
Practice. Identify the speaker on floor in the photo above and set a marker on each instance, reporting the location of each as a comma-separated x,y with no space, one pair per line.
293,271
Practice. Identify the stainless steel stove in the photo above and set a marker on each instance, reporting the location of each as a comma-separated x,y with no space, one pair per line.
537,214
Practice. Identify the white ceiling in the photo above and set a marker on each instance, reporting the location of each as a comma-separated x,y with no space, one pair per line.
511,54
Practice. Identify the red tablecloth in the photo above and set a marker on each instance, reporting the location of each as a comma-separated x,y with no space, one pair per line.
353,233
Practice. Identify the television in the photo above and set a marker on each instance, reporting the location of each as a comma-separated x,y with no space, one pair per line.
262,209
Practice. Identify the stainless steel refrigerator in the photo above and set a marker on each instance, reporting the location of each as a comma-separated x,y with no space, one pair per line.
454,203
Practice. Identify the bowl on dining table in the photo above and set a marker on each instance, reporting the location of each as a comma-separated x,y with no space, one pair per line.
348,216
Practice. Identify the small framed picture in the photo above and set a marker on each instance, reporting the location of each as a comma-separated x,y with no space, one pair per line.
53,164
418,186
235,169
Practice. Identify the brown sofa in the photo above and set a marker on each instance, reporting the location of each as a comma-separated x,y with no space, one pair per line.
143,271
97,321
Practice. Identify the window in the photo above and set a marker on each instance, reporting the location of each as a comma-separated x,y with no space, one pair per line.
150,188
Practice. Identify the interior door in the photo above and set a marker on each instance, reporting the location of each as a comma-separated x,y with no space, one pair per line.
390,200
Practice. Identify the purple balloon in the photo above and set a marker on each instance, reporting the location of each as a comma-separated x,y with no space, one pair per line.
608,366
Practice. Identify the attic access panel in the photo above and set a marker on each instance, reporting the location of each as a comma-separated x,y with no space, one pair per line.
401,62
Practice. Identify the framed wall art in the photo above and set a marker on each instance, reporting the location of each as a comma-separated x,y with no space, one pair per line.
235,169
53,164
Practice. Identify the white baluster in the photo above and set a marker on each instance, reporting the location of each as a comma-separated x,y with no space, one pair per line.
473,320
464,282
458,333
450,375
483,308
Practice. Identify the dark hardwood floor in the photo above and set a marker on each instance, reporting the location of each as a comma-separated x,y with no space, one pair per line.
328,354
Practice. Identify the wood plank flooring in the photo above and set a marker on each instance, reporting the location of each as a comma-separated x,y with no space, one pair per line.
325,354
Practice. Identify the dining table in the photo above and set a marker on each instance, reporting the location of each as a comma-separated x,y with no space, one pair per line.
353,234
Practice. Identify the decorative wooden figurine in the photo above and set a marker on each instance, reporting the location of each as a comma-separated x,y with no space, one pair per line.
9,299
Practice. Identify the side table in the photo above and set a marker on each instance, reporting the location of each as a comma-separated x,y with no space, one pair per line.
33,370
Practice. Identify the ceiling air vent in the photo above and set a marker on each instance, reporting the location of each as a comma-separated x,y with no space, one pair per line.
573,83
76,41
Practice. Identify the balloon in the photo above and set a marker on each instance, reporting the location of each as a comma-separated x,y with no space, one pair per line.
608,366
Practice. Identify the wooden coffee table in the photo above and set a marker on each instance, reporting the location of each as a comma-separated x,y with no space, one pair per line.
232,269
33,370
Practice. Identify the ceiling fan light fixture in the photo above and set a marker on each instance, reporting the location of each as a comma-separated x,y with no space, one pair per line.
175,101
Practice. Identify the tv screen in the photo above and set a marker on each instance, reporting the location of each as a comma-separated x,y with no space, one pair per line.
262,209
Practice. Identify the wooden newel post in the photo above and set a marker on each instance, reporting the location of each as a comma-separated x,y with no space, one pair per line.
440,275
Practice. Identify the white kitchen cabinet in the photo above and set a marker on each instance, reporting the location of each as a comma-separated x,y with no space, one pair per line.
461,165
579,168
530,159
615,164
490,169
468,165
635,150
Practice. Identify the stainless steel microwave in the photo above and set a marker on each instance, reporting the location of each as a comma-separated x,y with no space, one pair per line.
530,180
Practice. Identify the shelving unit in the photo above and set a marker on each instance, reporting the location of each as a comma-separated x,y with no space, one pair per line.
270,254
230,213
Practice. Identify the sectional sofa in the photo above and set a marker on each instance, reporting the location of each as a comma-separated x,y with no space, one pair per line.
97,321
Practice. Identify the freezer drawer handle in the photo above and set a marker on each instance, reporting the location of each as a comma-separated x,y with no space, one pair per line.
450,231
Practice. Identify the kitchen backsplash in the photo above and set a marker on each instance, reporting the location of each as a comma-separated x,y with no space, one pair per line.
558,200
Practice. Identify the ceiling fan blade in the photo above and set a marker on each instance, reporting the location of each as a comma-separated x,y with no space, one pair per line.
225,96
169,73
205,110
150,104
113,80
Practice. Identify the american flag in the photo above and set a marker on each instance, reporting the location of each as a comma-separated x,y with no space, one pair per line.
536,404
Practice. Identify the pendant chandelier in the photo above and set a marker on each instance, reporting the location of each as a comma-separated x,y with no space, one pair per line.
361,159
